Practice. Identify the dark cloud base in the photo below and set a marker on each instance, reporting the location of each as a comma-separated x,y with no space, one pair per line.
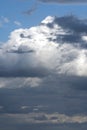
66,95
42,126
63,95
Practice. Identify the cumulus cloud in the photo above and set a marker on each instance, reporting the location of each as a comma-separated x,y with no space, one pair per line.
58,45
64,1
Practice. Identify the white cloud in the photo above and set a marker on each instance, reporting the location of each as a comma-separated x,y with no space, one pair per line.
44,50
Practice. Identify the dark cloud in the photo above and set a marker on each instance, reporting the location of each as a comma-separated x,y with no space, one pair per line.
72,23
14,63
63,1
62,94
21,50
58,102
75,28
21,70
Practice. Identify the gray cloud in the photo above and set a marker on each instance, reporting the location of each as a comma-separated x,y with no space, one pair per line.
27,121
59,100
20,67
60,94
54,118
74,27
72,23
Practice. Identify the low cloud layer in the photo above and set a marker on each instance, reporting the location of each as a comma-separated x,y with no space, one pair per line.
54,118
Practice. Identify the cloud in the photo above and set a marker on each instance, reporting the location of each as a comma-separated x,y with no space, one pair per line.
57,46
32,9
54,118
44,66
17,23
19,82
64,1
3,21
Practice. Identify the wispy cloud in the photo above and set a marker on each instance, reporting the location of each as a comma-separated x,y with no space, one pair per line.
32,9
54,118
17,23
3,21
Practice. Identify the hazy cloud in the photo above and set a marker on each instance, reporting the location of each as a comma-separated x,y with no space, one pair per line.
17,23
32,9
54,118
3,21
19,82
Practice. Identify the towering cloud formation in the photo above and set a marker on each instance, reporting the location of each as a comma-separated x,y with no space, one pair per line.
57,45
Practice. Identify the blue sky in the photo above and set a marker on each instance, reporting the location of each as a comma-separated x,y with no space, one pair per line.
12,14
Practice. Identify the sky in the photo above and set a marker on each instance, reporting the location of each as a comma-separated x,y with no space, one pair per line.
26,13
43,65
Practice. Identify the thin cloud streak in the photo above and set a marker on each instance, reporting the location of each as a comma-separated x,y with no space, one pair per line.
54,118
32,9
17,23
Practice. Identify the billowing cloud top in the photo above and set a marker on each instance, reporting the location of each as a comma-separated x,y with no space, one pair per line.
57,46
64,1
